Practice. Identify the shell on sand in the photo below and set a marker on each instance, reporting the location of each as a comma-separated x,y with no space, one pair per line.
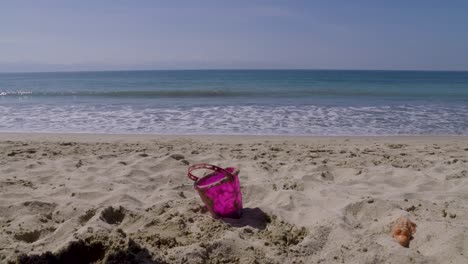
403,230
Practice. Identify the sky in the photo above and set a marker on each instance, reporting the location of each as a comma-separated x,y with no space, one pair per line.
65,35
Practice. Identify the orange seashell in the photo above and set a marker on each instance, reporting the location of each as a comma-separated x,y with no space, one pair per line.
403,231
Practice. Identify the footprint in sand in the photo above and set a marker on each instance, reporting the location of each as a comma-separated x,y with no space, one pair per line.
459,175
87,215
327,175
137,173
359,214
39,207
28,236
33,235
177,156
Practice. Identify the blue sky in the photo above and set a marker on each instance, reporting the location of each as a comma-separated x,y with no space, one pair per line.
115,35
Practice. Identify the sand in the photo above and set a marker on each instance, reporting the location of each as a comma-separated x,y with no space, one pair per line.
126,199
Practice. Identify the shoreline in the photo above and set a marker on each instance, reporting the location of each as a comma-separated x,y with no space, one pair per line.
52,136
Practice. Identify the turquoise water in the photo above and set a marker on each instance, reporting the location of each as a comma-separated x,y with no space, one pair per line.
273,102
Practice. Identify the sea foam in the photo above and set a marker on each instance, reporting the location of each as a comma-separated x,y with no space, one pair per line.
241,120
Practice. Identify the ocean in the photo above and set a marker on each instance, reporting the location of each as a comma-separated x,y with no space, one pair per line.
237,102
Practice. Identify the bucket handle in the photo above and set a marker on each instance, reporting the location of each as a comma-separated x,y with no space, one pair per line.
208,167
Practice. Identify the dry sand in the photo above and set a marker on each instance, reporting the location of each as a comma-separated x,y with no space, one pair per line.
111,199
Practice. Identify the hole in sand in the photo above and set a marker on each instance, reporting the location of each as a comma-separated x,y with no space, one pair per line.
29,237
94,251
87,215
75,252
134,253
113,216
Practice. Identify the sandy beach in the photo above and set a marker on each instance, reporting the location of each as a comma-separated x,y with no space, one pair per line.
116,198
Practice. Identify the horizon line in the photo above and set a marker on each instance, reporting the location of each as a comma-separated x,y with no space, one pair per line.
233,69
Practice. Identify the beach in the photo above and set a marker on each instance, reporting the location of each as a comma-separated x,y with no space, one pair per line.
114,198
243,132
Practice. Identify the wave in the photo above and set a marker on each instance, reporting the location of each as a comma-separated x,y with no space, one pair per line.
461,95
160,93
18,93
235,119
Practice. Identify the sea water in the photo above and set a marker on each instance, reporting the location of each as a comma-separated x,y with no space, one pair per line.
229,102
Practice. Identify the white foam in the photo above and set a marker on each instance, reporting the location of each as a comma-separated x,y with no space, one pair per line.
254,120
20,93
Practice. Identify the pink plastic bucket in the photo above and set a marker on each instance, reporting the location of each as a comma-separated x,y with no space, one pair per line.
220,190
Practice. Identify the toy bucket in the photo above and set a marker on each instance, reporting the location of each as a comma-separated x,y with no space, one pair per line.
220,190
